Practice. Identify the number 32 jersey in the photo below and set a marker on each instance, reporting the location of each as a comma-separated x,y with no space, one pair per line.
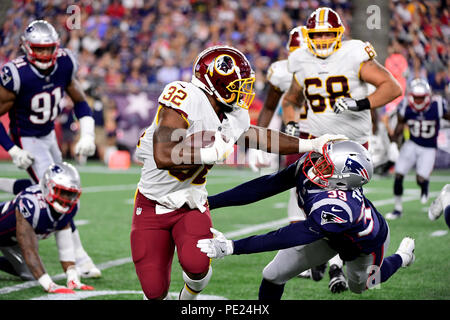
325,80
173,189
37,96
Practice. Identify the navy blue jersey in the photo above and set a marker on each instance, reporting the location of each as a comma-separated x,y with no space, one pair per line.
424,125
36,211
345,218
37,96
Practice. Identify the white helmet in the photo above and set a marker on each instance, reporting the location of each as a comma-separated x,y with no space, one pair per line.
345,165
61,186
419,94
40,34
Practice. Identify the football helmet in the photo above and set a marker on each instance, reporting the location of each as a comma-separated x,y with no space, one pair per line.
40,34
296,38
345,165
226,73
419,94
61,186
320,21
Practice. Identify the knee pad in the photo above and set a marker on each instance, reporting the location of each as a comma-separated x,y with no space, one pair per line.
198,285
398,186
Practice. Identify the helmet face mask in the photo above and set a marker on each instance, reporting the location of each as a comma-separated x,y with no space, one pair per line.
40,42
225,73
419,95
345,165
61,187
322,23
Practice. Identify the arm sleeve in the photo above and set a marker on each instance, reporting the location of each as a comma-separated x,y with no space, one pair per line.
256,189
302,232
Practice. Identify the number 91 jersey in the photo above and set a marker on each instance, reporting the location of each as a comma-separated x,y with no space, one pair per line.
37,96
325,80
174,188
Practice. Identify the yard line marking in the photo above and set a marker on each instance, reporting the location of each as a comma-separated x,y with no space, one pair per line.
239,232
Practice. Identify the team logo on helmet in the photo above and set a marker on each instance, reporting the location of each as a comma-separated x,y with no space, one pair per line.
56,169
353,166
224,65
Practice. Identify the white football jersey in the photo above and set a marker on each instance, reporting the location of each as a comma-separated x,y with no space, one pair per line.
325,80
173,189
279,76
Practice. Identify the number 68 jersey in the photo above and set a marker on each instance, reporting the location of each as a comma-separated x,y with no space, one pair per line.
325,80
174,188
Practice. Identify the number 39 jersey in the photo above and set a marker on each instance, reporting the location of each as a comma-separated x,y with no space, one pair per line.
325,80
174,188
37,96
424,125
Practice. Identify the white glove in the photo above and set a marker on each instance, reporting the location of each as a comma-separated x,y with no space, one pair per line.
217,247
220,150
393,152
21,158
343,104
51,287
256,158
316,145
73,281
86,145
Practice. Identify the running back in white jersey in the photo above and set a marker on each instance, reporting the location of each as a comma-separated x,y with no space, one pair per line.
172,189
325,80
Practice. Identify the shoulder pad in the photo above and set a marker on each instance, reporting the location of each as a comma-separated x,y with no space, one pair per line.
28,206
360,51
70,57
296,57
180,96
10,78
278,73
333,210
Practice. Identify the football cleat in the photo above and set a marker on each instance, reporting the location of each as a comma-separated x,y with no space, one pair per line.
305,274
337,283
435,210
406,251
424,198
393,215
318,272
87,269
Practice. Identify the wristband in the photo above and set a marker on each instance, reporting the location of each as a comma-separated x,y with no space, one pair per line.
208,155
305,145
45,281
363,104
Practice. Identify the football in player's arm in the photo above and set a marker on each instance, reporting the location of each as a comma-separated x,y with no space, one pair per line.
340,219
35,213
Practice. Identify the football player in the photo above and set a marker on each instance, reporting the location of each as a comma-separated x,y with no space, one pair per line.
171,207
37,212
441,205
31,89
422,113
340,220
279,79
335,80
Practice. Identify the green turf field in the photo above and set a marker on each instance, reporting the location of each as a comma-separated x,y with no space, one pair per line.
105,217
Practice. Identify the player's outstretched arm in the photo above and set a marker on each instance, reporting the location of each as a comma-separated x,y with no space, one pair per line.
292,99
28,242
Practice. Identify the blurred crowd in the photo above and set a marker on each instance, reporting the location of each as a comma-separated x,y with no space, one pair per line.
131,46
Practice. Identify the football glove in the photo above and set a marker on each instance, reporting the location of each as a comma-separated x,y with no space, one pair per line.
350,104
219,151
316,145
73,281
51,287
21,158
86,145
218,247
292,128
256,159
